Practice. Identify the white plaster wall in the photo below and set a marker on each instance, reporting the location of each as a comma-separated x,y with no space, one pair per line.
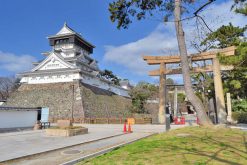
124,86
51,79
13,119
94,81
104,85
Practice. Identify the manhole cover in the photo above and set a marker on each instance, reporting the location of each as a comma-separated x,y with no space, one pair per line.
71,152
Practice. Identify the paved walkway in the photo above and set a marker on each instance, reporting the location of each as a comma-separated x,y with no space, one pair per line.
16,145
240,126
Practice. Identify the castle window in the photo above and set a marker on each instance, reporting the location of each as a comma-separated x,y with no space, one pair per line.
62,41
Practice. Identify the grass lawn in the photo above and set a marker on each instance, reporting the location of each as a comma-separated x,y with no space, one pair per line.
191,145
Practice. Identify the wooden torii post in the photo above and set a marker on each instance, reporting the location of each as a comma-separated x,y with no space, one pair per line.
215,68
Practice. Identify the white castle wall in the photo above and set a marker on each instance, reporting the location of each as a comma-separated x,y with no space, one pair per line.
50,79
94,81
103,84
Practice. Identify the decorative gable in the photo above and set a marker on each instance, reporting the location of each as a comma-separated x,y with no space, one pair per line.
53,64
53,61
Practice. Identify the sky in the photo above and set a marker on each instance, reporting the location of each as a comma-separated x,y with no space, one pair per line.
25,26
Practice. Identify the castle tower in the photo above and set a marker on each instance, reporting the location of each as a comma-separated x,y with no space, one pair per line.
68,60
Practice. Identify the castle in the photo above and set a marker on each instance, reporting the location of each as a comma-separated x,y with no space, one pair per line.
68,82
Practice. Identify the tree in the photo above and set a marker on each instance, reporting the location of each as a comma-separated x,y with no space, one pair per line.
204,85
240,7
122,11
108,75
195,101
235,81
140,94
225,36
7,86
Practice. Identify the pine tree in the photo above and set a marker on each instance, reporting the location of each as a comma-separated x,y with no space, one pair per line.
235,81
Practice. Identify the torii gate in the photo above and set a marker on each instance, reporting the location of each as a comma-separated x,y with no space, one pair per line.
215,68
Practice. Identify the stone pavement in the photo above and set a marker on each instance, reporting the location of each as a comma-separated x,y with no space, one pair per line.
16,145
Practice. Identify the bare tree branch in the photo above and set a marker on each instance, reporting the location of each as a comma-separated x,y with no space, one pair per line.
7,86
203,6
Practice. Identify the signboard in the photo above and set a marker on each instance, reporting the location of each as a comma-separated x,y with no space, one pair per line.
45,114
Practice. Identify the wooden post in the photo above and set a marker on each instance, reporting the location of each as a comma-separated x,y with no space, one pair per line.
162,101
219,94
175,102
229,107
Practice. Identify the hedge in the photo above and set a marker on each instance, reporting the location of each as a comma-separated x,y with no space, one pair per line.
240,117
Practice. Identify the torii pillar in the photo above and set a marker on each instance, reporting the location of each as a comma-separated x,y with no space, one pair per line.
219,94
162,95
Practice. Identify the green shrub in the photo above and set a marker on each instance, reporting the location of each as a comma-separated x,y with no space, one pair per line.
241,117
239,105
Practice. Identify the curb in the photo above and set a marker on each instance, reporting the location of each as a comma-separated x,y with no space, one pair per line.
72,162
56,149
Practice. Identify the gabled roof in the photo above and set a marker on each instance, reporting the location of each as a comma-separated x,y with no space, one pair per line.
57,57
66,30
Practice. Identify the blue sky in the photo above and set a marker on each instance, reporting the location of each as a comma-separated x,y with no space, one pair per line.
25,25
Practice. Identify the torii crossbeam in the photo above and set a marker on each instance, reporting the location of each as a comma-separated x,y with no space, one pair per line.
156,60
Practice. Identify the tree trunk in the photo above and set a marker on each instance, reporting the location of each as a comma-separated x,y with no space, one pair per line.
195,101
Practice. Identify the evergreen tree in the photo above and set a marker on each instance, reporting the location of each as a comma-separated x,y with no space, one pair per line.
240,7
225,36
235,81
108,75
140,94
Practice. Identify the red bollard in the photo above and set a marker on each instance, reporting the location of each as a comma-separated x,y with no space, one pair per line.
176,120
183,120
129,129
197,120
179,120
125,128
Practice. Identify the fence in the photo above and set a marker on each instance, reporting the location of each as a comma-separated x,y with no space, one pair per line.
104,120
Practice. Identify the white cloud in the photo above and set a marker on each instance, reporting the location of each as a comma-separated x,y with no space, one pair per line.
15,63
129,55
162,41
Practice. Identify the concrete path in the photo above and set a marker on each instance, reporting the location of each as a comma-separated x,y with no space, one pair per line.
60,156
242,127
17,145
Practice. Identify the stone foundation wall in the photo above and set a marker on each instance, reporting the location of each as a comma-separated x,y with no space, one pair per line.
100,103
58,97
85,100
